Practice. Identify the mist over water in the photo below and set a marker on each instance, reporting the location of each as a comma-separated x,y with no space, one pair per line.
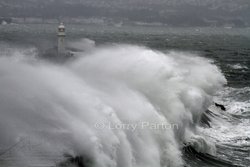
56,107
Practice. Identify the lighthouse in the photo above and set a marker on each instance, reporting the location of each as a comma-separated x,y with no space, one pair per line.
61,40
58,53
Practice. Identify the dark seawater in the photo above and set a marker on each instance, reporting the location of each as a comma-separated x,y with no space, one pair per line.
229,49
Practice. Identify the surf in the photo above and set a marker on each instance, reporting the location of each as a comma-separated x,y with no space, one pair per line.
56,107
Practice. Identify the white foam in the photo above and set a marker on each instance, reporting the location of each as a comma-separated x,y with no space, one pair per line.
59,106
238,66
231,127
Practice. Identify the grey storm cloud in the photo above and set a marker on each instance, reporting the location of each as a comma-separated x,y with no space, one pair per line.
186,12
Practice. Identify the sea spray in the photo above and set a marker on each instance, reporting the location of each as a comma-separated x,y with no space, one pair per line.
58,106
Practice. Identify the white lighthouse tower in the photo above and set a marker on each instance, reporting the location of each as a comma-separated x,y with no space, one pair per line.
61,40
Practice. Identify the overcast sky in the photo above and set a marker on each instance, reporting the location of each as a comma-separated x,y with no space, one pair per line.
190,12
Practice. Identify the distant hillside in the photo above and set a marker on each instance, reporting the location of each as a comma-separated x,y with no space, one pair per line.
169,12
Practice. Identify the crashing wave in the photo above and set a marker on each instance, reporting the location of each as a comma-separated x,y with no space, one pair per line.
58,107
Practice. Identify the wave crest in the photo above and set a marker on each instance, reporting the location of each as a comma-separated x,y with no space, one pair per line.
58,106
